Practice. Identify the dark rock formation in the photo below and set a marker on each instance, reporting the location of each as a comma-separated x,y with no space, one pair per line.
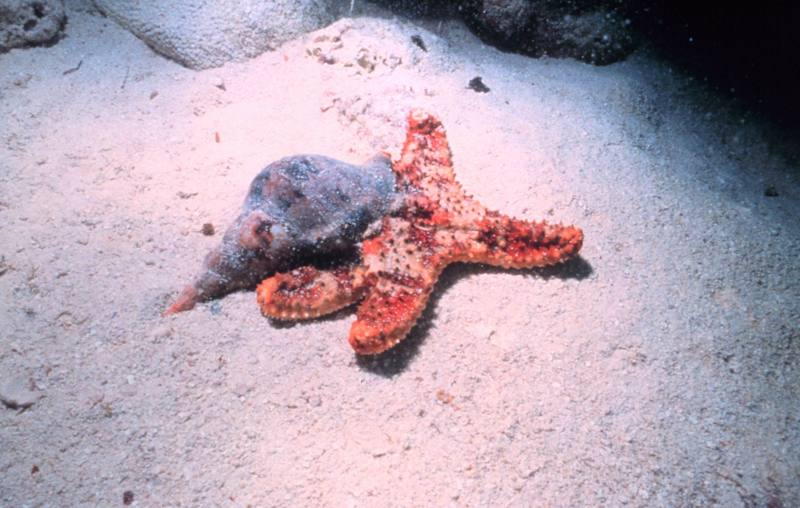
30,22
589,31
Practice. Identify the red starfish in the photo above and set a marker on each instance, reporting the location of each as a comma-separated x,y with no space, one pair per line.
437,224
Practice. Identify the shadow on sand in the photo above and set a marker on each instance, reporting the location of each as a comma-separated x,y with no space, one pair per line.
397,359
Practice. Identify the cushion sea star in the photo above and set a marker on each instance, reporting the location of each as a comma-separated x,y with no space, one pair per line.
436,224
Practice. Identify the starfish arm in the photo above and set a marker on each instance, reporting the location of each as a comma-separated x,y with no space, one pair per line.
425,159
308,292
465,230
389,311
500,240
402,268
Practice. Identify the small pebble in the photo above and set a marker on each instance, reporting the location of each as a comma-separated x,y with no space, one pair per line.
444,397
477,84
161,332
22,80
16,393
242,389
208,229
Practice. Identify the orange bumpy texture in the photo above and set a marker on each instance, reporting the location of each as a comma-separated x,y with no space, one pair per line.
436,225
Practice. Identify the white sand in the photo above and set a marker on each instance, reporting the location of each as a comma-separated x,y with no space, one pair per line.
659,370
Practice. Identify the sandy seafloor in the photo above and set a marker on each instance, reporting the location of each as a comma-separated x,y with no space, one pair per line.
659,369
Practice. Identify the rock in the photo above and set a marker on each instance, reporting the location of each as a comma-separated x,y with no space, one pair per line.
600,37
588,30
127,497
242,389
16,393
207,229
161,332
420,8
30,22
506,22
201,34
